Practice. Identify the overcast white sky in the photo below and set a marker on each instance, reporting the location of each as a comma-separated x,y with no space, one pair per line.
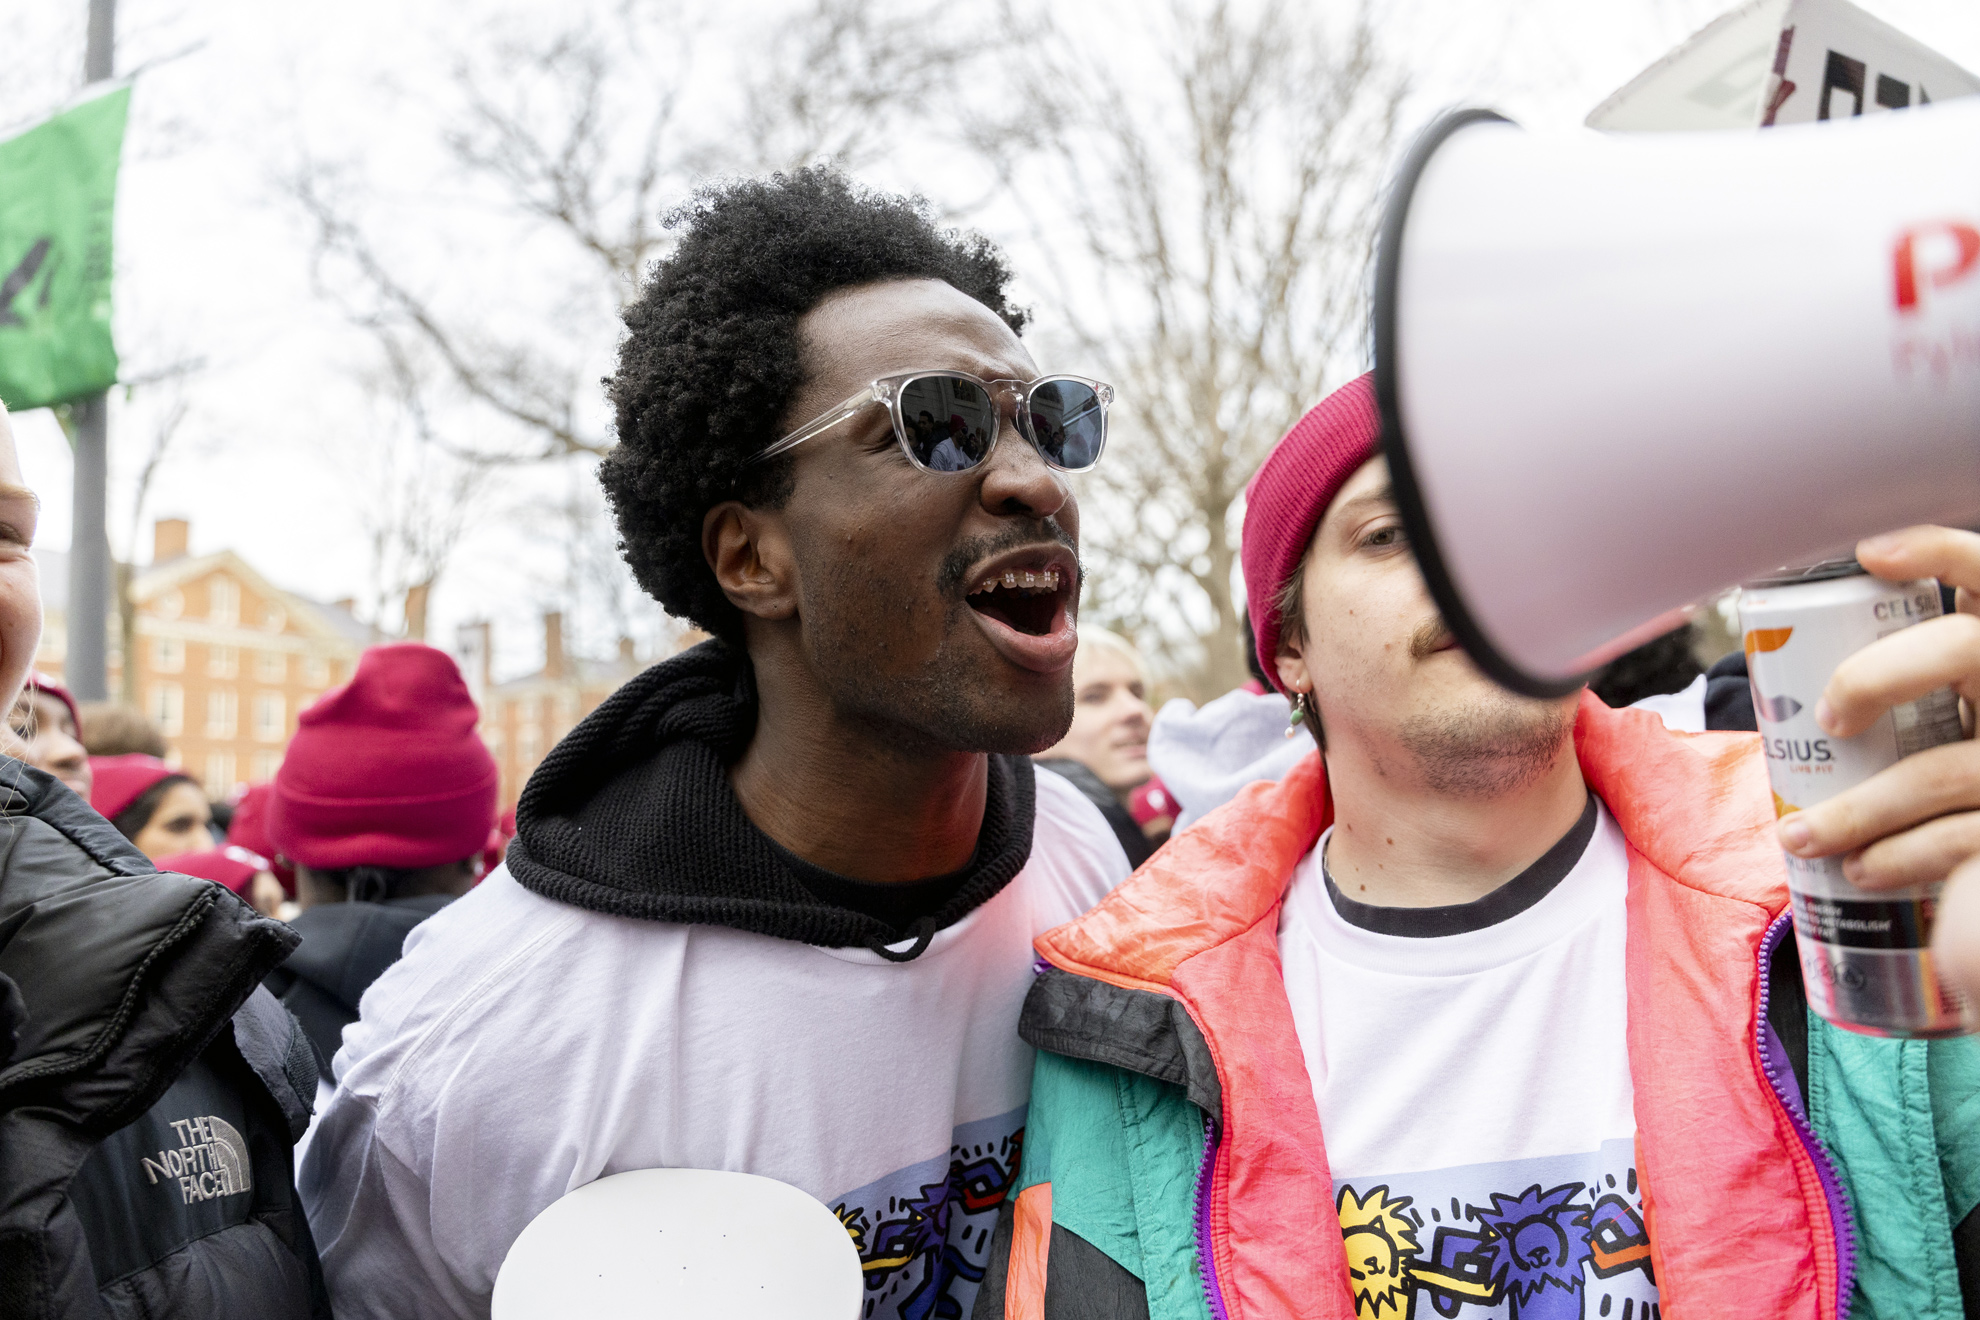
212,265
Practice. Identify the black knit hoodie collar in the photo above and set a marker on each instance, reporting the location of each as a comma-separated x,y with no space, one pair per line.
632,815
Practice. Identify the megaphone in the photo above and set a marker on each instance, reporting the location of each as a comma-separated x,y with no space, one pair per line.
1617,374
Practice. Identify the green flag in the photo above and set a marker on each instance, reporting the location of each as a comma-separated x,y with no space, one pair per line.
58,191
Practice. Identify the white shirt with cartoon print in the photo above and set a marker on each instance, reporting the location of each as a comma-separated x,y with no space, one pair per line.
523,1048
1472,1077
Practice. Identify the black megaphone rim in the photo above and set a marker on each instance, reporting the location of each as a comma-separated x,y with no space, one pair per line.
1395,443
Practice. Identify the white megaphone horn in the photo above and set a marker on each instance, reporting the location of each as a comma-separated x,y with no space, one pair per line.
1617,374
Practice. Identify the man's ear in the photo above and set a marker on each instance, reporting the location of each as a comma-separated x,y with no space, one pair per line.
1291,667
751,557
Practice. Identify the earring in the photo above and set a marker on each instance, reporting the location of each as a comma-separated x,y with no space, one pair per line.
1298,714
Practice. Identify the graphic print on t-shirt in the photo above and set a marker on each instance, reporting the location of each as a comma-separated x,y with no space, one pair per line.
1559,1237
923,1232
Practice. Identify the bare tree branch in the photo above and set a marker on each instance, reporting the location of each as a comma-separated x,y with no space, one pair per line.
419,497
577,141
582,134
844,73
1205,224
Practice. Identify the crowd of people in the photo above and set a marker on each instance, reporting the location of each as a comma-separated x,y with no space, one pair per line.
1366,987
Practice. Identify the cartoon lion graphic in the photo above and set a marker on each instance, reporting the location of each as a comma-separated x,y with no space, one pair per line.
1381,1243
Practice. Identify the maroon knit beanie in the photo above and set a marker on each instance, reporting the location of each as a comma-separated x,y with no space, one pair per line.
1291,491
386,770
230,865
118,781
249,829
41,682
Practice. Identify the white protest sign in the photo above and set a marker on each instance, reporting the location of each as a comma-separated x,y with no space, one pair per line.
1783,62
687,1243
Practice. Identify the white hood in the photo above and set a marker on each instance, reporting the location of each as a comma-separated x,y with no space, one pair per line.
1204,756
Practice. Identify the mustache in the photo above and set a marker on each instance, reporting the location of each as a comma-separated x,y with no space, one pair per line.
956,565
1430,636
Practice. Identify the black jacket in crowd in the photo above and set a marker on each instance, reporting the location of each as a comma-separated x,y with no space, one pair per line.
1119,819
345,947
150,1092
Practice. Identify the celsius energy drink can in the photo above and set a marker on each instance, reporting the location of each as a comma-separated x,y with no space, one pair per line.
1865,956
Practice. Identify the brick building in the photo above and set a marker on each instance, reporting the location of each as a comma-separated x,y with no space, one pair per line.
225,659
522,719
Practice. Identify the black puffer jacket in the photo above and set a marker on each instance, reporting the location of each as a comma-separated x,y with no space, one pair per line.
152,1094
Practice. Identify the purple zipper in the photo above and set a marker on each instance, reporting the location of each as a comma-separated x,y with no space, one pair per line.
1206,1260
1780,1076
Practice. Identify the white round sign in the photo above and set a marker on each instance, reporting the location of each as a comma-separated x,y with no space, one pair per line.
682,1242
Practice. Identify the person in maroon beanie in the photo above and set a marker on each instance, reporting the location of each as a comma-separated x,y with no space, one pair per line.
383,805
45,731
243,871
159,809
249,829
1478,971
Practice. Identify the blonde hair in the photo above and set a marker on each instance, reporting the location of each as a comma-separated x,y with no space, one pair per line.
1099,639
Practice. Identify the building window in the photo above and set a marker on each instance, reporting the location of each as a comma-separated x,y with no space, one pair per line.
274,618
530,745
170,605
271,666
168,655
493,737
168,708
316,671
270,716
220,779
223,661
223,601
265,766
222,714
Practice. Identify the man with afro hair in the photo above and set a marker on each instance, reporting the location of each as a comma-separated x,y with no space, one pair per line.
770,907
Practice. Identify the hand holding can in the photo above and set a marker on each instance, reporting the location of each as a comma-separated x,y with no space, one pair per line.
1915,823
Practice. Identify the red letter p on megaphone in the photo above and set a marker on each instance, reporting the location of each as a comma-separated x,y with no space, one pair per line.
1965,252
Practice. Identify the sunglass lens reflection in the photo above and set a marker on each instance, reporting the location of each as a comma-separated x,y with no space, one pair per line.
950,423
1069,423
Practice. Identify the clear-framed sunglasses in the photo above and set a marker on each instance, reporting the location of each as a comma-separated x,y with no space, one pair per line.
949,421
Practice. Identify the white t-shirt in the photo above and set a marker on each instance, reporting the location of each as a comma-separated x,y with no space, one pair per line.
523,1048
1475,1094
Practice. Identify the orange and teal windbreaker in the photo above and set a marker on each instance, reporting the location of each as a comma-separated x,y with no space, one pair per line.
1174,1164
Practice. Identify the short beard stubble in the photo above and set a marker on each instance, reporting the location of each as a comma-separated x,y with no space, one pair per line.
1499,745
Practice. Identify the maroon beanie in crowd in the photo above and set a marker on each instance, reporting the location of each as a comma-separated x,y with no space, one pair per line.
41,682
118,781
232,866
249,829
1291,491
387,770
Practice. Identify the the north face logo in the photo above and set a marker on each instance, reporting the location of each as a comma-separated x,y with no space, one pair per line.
212,1160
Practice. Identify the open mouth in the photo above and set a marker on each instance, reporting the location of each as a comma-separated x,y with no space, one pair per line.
1024,600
